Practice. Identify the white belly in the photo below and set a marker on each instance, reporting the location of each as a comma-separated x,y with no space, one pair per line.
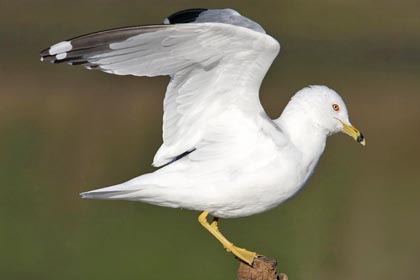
260,190
242,188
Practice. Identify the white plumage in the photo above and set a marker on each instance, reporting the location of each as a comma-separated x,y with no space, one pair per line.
221,153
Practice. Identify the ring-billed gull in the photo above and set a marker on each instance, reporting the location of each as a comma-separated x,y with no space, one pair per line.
221,153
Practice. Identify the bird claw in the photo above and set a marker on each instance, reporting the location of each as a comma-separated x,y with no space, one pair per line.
243,254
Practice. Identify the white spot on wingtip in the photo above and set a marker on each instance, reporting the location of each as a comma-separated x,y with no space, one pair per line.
166,21
42,58
61,56
61,47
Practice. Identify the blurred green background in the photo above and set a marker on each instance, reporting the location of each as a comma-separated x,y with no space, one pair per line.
64,130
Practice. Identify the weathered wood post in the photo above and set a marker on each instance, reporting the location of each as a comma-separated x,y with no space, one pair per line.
262,269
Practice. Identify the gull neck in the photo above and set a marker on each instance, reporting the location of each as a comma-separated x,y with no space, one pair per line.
303,132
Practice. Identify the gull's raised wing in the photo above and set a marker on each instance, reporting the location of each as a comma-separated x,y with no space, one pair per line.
214,66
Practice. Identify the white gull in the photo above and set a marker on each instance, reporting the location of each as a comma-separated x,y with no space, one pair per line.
221,153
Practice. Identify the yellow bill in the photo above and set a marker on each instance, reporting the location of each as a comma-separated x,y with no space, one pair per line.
353,132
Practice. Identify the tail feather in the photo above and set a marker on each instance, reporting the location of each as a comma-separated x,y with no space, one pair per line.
152,188
106,194
121,191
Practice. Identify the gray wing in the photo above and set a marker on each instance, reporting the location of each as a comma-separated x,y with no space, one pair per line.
214,67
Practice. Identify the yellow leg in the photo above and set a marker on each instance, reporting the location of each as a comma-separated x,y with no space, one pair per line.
240,253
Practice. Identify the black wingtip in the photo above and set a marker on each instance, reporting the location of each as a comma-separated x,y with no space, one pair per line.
185,16
44,52
45,55
47,58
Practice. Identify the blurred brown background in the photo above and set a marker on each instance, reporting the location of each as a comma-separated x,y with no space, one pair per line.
64,130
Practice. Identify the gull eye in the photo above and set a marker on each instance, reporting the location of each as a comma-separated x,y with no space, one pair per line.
336,107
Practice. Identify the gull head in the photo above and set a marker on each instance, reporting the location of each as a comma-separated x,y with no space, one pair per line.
327,110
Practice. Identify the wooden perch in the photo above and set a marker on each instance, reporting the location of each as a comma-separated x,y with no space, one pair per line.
262,269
